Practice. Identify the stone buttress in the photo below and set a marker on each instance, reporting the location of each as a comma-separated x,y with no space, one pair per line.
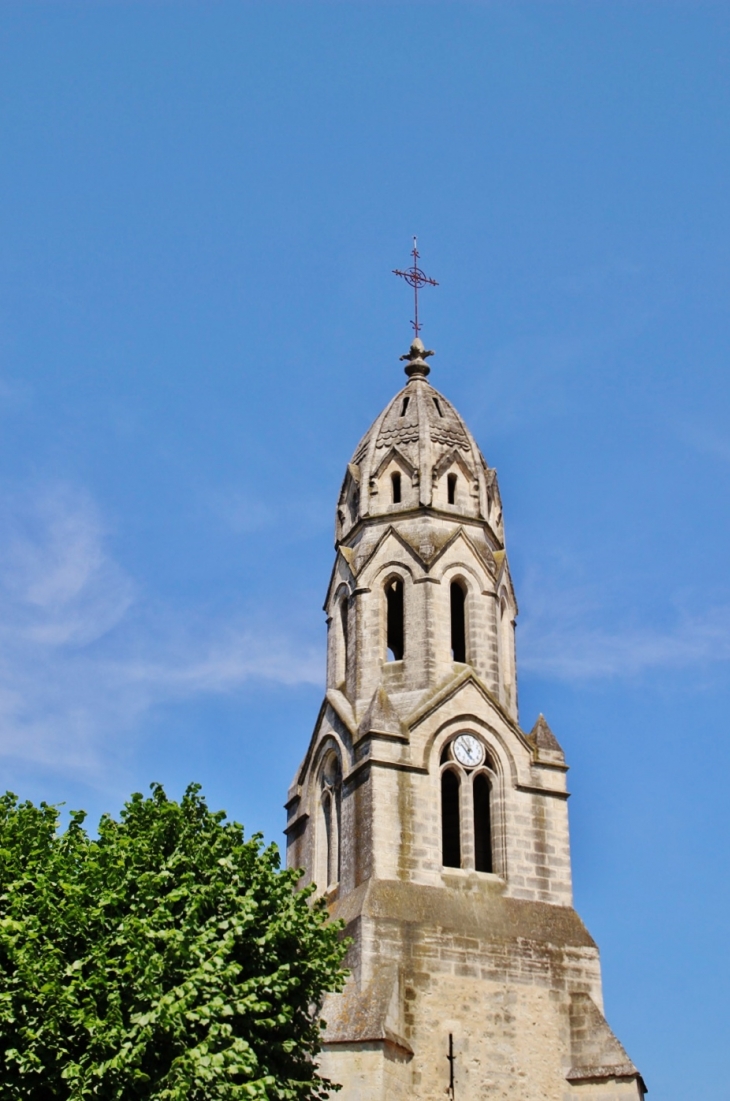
432,823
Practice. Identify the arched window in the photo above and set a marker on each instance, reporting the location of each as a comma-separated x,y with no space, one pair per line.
395,482
450,820
331,798
451,488
458,621
467,779
482,823
395,628
344,635
329,814
506,654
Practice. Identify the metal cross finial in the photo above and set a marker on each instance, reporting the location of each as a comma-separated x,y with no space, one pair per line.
415,278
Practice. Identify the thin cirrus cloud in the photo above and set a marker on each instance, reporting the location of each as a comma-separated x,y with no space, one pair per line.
563,637
706,440
83,656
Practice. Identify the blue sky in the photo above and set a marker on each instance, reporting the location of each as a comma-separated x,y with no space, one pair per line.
200,207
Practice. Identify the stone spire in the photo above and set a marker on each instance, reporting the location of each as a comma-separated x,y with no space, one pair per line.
418,484
429,820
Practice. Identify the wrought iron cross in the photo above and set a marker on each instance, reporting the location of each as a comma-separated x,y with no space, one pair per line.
415,278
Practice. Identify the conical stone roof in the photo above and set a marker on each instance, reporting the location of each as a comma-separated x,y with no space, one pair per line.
424,429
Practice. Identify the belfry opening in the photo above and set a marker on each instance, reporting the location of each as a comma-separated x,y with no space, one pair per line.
395,624
458,621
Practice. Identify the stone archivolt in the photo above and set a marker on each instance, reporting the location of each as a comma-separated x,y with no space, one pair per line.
393,827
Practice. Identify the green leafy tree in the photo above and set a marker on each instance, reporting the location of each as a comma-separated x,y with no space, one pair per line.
167,958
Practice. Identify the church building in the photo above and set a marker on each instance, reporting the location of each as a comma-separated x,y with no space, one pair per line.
432,824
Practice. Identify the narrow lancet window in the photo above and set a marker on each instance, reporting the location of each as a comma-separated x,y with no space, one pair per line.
482,824
451,488
506,654
344,626
458,622
329,828
395,482
394,615
405,405
438,407
331,799
450,823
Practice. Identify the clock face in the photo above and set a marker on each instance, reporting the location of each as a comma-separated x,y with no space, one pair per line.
468,750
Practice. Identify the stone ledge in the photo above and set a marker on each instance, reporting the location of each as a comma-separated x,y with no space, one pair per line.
619,1072
388,1039
474,905
593,1074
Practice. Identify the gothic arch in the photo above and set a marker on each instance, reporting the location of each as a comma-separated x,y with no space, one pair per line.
506,650
341,632
394,616
452,464
483,799
479,803
461,552
328,817
391,550
450,781
480,577
394,454
394,570
394,472
453,458
331,733
341,575
504,763
393,565
461,614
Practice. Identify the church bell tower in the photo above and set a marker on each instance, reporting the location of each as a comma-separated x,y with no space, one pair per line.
433,825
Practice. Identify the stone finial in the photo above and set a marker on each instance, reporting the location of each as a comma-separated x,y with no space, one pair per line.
416,367
543,736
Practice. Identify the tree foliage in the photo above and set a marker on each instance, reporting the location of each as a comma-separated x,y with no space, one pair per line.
166,959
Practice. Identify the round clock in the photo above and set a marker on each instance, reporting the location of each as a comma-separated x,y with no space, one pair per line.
468,750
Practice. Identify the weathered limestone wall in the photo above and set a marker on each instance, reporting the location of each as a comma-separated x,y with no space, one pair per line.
376,1070
501,976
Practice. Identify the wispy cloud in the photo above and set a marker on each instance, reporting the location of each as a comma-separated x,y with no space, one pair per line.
246,512
84,654
575,634
57,585
706,439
